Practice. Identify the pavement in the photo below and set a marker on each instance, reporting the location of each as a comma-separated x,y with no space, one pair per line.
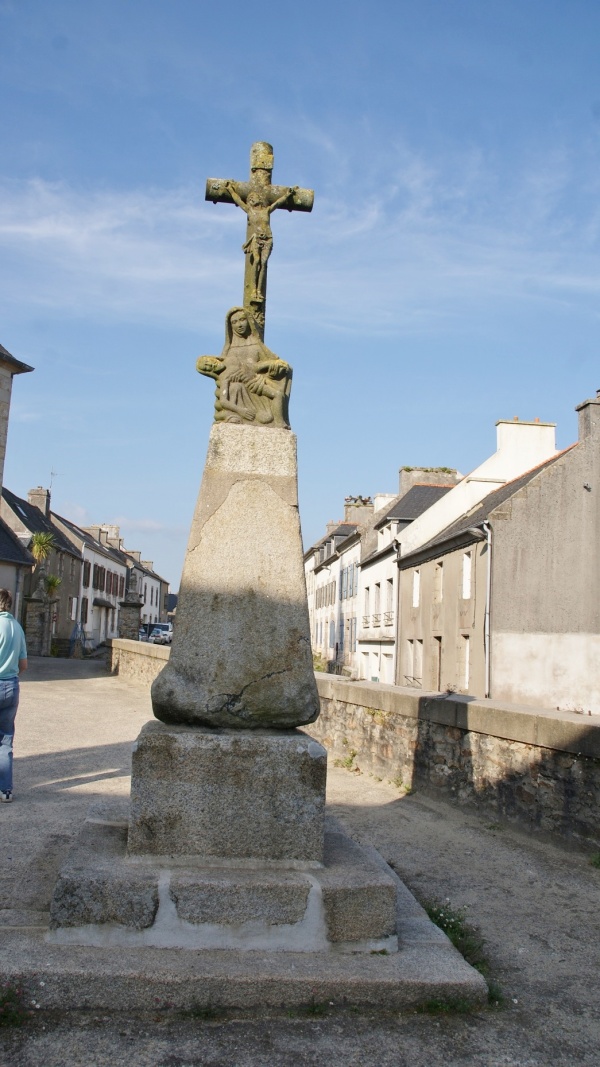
536,902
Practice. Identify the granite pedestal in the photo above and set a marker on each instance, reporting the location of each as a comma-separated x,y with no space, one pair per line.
237,795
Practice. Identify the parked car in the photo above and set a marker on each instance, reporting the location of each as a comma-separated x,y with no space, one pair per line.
161,633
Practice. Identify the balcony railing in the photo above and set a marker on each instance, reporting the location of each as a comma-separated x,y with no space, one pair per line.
366,622
376,619
388,618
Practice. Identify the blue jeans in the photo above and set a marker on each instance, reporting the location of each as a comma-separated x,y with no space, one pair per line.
9,702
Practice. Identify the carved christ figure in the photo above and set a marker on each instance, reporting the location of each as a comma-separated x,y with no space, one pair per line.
253,384
259,245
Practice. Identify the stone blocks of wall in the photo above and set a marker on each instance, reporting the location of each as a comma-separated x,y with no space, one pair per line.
533,766
137,660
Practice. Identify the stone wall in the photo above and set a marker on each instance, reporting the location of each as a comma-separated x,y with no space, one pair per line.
136,660
536,767
533,766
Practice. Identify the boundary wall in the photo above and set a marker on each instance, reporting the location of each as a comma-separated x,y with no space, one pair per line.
138,661
534,766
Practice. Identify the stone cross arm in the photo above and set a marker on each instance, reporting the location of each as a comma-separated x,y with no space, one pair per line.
218,193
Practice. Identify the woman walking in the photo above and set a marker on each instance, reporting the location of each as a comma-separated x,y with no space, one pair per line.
13,661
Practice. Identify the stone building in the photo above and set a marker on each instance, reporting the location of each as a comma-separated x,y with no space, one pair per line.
152,589
15,561
26,518
102,586
505,602
378,579
331,570
9,366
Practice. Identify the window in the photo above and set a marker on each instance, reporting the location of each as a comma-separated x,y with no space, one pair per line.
416,589
84,610
86,574
344,583
353,634
341,634
367,598
332,634
418,662
355,579
61,564
95,576
72,568
438,583
389,594
410,660
437,664
464,661
72,608
387,667
109,582
466,575
121,585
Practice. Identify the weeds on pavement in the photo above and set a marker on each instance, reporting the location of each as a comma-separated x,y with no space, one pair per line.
12,1006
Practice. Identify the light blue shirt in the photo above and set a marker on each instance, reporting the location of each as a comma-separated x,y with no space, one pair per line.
12,646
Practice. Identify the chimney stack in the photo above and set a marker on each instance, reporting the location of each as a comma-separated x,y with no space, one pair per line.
589,416
40,498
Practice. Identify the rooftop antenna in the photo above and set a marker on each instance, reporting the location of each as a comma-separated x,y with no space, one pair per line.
53,475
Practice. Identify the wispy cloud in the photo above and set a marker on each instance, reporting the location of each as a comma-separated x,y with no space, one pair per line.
403,248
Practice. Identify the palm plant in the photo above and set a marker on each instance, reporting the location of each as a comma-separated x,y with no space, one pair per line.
40,546
51,584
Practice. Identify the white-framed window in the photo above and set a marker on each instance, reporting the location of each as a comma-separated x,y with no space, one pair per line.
416,589
467,563
389,594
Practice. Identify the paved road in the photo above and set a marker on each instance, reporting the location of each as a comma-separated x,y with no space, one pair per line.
537,904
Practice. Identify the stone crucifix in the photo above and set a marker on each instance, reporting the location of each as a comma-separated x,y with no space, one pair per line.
258,199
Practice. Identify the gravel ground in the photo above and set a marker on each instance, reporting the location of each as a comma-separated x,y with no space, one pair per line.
536,903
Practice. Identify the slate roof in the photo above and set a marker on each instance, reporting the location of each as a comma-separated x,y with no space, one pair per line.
343,530
87,539
12,550
130,560
17,366
481,511
418,499
36,522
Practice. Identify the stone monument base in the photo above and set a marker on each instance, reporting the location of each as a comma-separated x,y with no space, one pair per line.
104,896
232,796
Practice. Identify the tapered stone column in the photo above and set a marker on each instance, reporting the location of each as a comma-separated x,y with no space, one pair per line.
241,654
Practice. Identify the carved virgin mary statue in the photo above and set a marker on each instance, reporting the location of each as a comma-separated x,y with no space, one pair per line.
253,384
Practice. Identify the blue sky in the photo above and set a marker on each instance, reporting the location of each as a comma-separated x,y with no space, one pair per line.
448,275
